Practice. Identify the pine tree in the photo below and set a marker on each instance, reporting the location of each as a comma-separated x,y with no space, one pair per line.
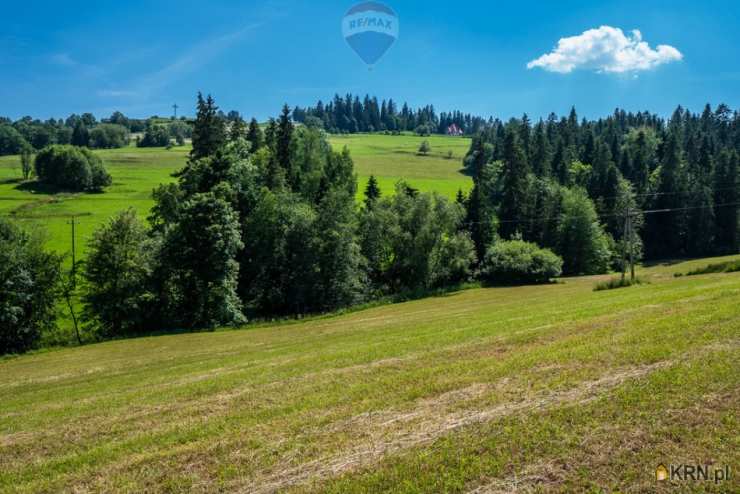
271,132
641,163
478,219
460,197
515,203
541,152
726,196
560,164
238,129
209,130
372,192
255,136
284,141
666,229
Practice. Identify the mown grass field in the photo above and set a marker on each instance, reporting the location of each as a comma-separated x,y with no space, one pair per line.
547,388
391,158
137,171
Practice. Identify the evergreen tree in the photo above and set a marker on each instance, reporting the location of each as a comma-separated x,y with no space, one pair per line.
255,136
271,132
238,129
284,150
666,228
198,274
209,130
372,192
700,229
515,204
726,196
541,152
460,197
480,220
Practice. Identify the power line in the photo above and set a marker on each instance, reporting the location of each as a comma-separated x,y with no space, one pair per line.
615,215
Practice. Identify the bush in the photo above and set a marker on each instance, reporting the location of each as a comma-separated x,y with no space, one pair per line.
518,262
722,267
11,141
156,136
72,168
615,283
109,136
179,131
28,281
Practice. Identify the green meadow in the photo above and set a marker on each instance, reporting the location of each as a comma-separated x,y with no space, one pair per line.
527,389
136,171
392,158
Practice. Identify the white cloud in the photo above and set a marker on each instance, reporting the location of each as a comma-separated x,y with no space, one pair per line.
606,49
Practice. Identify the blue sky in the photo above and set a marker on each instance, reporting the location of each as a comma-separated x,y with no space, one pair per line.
140,57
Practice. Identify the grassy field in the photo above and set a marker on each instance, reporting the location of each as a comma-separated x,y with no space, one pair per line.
391,158
137,171
549,389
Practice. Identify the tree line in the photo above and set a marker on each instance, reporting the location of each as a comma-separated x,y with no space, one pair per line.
264,223
28,135
677,178
351,115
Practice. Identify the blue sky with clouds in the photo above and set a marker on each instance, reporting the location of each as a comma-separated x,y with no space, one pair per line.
140,56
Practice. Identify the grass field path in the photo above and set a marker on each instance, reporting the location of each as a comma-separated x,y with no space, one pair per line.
551,389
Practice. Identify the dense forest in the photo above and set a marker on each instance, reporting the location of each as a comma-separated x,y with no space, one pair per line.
676,178
351,115
264,222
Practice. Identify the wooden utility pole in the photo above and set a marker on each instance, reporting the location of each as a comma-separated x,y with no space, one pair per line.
73,222
632,245
69,283
629,239
625,241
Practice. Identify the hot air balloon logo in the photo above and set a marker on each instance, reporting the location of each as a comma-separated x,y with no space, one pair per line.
370,29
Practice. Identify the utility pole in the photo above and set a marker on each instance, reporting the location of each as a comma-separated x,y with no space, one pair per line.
74,252
625,241
632,246
630,238
175,107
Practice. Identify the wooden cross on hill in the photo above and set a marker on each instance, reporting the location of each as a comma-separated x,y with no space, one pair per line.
175,107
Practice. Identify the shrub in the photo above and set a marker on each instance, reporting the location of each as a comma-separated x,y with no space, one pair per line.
615,283
109,136
72,168
425,148
28,282
11,141
155,136
518,262
722,267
